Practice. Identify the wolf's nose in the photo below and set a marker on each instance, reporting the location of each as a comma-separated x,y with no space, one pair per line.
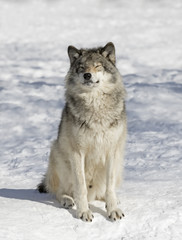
87,76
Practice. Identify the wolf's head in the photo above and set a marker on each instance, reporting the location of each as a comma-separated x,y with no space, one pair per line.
92,68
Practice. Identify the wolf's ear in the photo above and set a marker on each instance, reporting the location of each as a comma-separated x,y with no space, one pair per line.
109,52
73,53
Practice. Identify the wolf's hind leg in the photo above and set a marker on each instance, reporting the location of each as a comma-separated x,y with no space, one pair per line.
65,201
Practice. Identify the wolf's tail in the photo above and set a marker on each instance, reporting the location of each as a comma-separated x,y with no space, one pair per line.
42,187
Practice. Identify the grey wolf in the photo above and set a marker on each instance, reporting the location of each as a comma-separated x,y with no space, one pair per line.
86,159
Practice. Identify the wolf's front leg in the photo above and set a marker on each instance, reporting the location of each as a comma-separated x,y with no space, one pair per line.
80,188
113,211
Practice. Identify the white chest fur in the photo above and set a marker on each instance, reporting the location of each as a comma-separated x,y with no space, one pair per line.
101,126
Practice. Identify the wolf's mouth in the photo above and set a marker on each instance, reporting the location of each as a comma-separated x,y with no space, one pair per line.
90,82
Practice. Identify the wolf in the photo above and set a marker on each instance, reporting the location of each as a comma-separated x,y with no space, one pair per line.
86,159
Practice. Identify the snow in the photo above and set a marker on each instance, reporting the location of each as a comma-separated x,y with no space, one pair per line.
34,36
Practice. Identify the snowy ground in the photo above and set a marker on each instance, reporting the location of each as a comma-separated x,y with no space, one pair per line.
34,36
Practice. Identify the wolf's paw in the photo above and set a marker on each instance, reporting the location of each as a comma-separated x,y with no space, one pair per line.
86,216
67,202
115,214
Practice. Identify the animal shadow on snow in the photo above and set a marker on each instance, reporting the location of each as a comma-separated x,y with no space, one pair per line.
32,195
48,199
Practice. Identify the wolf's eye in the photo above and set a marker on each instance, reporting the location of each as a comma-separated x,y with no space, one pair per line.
98,67
81,69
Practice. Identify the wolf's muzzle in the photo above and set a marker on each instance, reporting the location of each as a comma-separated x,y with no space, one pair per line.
88,79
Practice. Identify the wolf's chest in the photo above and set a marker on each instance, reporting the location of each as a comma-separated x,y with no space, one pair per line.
99,119
99,139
